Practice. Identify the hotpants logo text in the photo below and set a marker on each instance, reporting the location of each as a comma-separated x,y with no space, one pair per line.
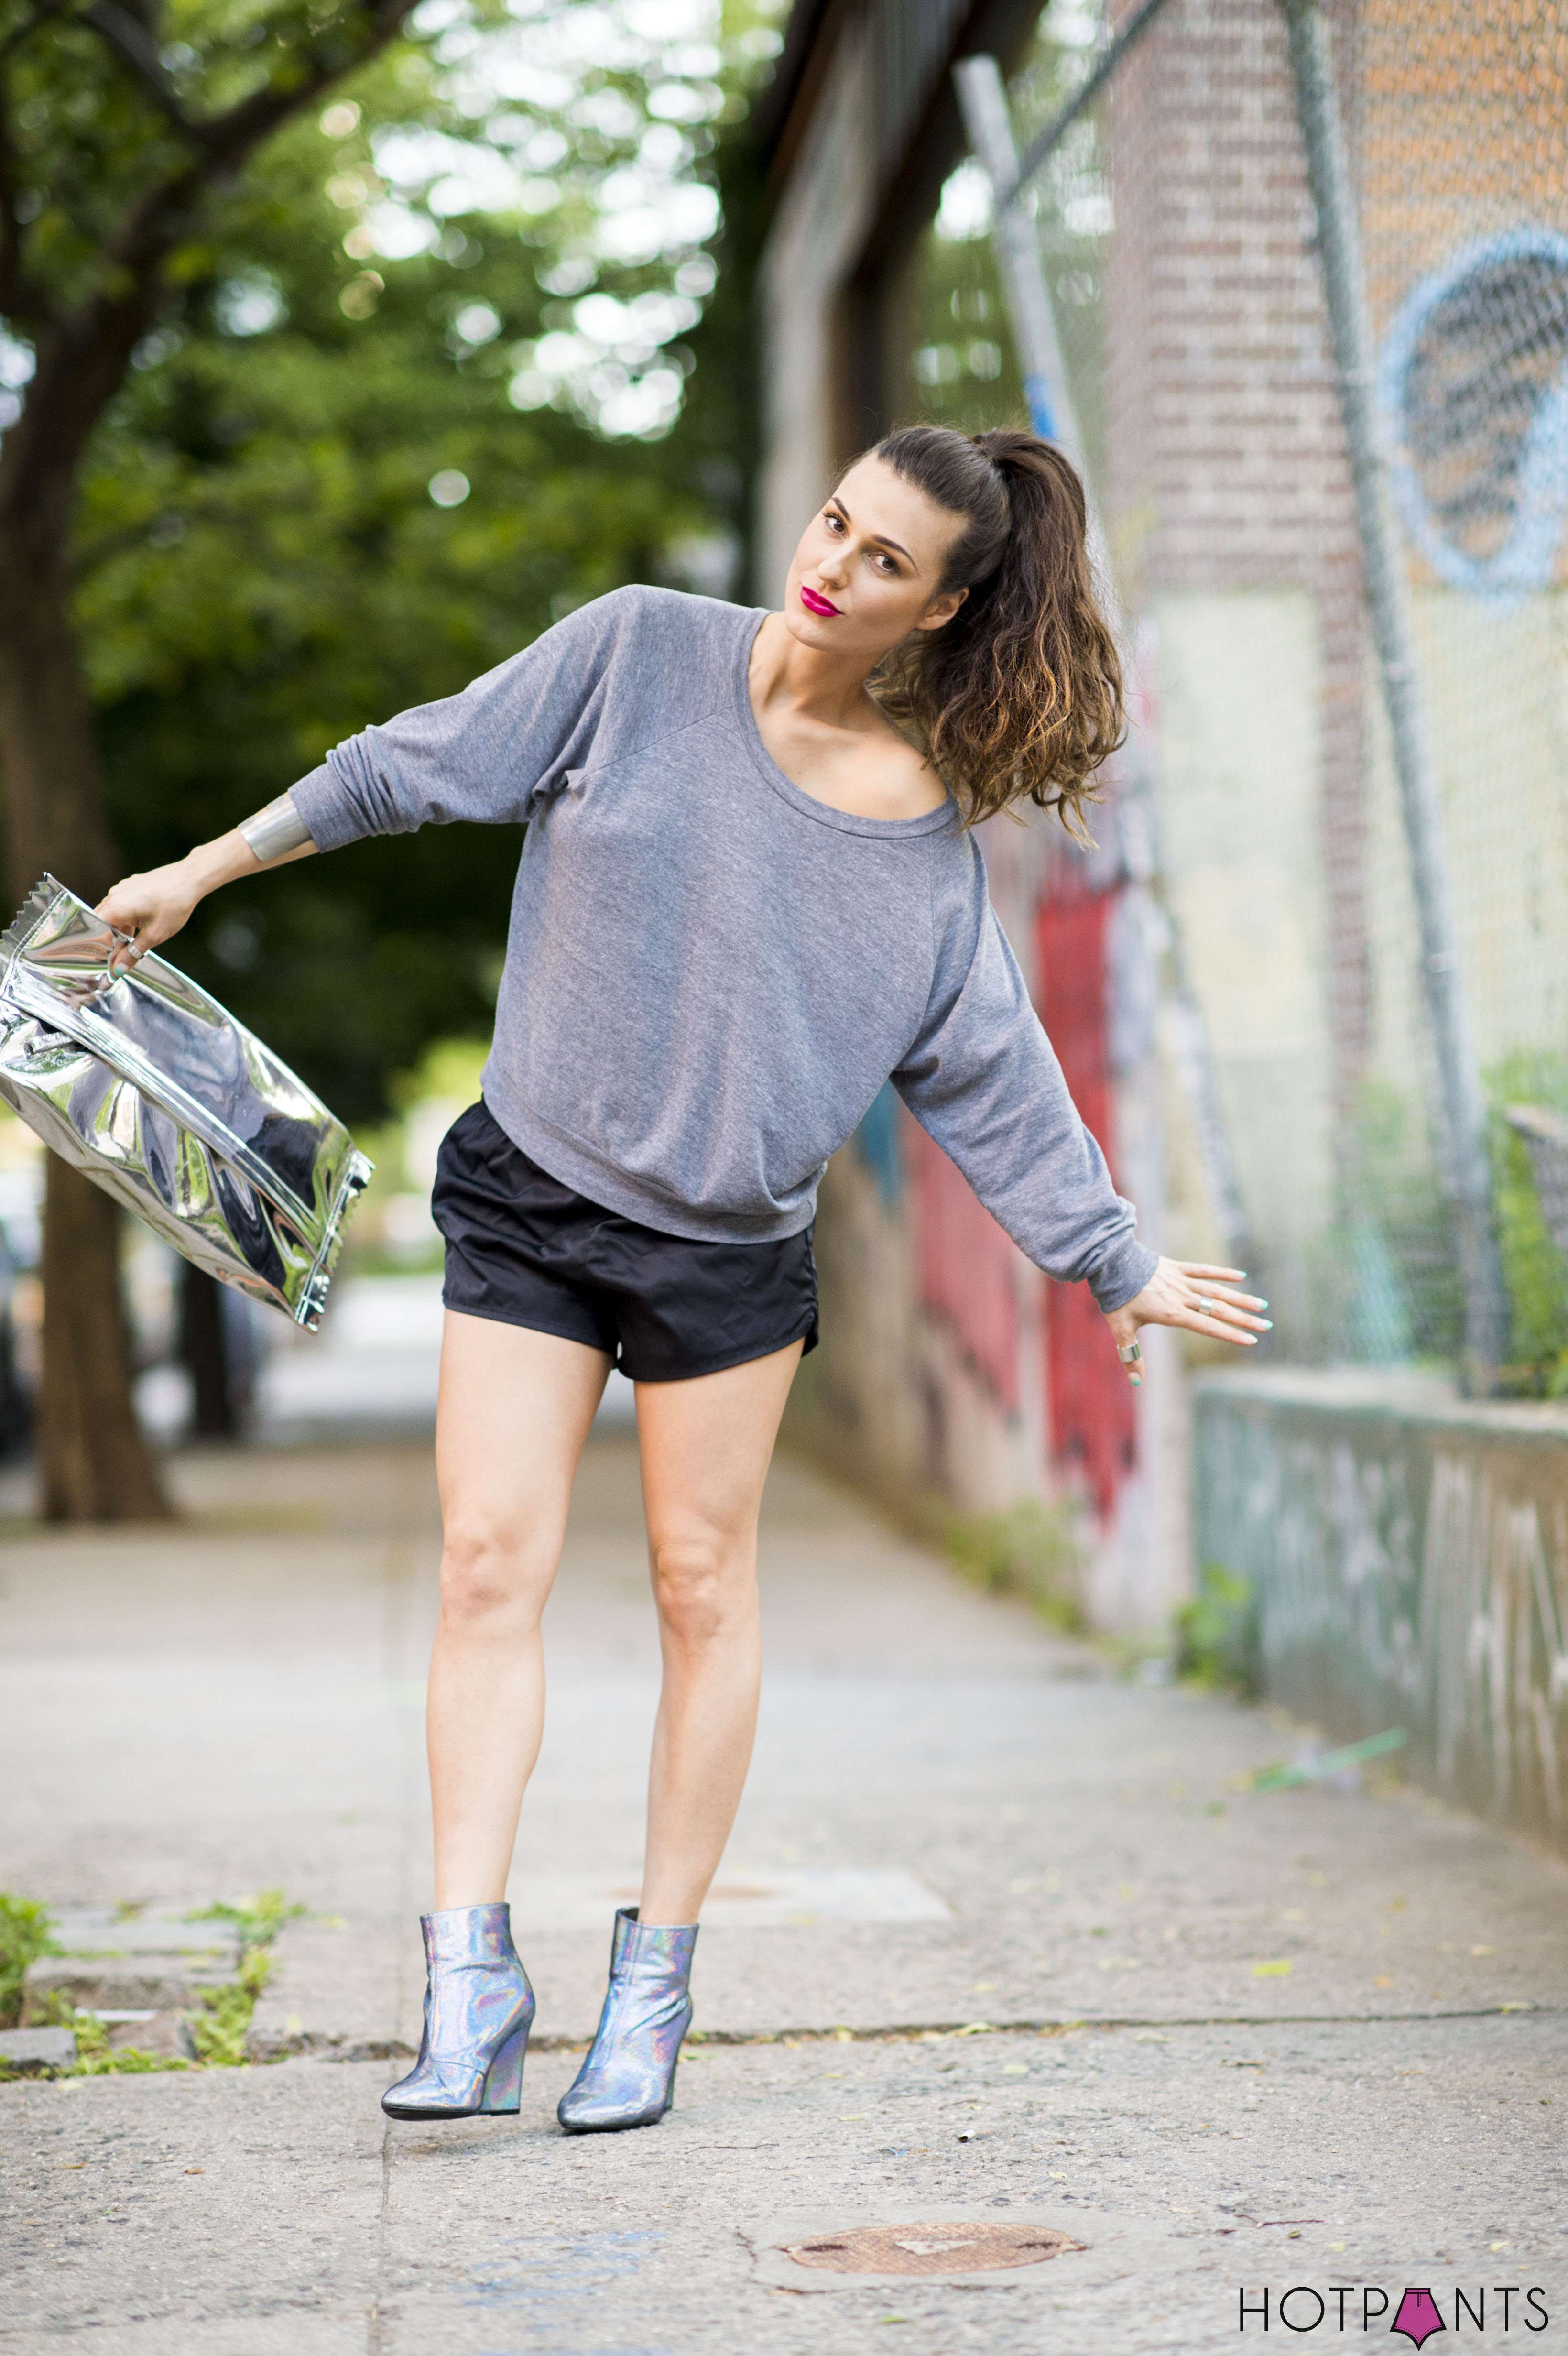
1417,2312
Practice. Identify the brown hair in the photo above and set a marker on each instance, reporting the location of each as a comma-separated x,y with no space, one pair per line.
1018,697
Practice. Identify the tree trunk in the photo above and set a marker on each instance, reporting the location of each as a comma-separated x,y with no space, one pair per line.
96,1464
216,1382
94,1461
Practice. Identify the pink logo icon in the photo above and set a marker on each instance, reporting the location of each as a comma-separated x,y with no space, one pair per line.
1418,2317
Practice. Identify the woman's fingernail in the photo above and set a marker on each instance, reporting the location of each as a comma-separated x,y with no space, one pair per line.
1137,1382
1267,1325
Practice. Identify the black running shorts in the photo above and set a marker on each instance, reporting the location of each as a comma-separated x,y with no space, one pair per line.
525,1249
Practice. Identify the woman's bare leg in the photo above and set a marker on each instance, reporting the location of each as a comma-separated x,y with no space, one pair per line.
515,1407
705,1446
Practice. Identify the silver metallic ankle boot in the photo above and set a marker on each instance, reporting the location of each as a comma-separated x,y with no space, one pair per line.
478,2010
628,2078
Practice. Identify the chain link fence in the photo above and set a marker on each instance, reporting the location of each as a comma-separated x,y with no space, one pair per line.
1310,274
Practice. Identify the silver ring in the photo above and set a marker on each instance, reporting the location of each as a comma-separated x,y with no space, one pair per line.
1205,1308
1128,1353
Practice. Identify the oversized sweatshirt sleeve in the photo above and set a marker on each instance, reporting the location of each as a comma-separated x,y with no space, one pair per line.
983,1080
491,754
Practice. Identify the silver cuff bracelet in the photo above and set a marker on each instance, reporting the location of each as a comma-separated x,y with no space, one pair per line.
276,831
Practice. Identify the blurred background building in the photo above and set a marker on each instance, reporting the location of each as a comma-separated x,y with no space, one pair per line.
1310,990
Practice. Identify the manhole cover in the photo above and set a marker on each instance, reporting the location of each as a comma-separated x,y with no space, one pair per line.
936,2249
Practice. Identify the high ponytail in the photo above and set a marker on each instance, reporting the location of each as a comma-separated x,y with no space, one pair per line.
1019,698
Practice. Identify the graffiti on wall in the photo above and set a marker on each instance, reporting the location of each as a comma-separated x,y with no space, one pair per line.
967,1267
1407,1571
1474,385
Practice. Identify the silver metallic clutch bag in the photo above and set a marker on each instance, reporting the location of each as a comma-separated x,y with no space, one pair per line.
160,1098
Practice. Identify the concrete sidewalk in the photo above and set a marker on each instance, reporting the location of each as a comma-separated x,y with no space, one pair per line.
999,1938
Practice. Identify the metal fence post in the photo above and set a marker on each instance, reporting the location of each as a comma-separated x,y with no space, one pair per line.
1442,981
988,119
983,99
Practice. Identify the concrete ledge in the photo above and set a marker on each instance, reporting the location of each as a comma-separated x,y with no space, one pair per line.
1395,1396
37,2052
1408,1551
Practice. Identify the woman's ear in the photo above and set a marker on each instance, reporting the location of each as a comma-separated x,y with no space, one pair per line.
941,609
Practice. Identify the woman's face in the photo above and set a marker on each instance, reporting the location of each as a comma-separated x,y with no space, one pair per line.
869,567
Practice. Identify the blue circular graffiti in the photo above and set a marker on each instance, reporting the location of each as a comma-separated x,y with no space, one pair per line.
1474,386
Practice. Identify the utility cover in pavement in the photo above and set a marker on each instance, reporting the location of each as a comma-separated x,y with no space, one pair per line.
931,2249
803,2251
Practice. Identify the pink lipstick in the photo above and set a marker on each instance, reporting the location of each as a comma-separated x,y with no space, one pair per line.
815,604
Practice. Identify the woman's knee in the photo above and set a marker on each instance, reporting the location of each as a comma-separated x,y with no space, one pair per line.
702,1582
492,1574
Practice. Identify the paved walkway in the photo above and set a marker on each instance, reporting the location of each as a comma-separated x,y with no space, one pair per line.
1000,1939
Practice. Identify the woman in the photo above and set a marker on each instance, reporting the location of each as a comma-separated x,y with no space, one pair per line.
747,896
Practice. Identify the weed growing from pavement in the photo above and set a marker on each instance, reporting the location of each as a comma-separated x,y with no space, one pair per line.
220,2030
258,1920
1030,1550
218,2026
96,2058
1217,1635
26,1934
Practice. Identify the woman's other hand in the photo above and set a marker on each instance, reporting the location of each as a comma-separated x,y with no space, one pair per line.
1191,1293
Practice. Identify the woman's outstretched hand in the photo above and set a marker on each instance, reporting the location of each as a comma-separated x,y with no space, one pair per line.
1191,1293
152,908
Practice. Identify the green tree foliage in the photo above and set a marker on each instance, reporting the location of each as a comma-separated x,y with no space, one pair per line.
409,400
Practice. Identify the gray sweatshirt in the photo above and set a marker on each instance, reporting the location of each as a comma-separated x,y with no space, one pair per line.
709,974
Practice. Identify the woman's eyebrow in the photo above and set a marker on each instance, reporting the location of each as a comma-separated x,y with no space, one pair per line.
881,537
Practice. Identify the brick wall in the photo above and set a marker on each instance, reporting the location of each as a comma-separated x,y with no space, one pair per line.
1226,466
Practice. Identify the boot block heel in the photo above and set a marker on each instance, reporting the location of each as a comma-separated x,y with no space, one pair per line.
503,2094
